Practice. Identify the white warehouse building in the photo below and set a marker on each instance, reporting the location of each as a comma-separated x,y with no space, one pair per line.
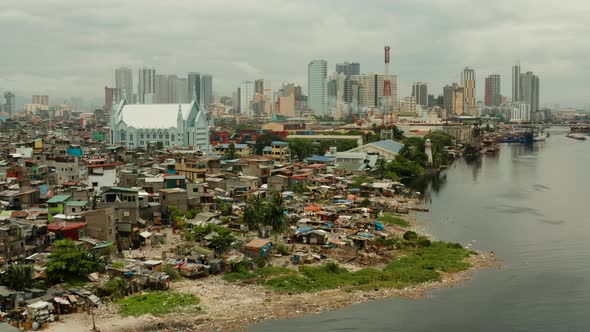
171,125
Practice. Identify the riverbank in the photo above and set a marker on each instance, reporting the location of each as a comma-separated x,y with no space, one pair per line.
234,306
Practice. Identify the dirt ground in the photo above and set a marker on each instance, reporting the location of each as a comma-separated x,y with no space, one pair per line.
225,306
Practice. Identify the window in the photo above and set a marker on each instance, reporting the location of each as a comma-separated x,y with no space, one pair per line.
125,213
74,210
141,134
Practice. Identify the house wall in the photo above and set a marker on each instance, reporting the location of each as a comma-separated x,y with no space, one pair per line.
101,224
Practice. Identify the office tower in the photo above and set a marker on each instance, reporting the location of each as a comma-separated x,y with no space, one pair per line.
493,96
182,91
9,103
207,90
529,85
420,91
348,68
124,83
263,103
41,100
111,95
246,98
317,87
146,85
468,82
516,90
162,93
195,91
454,101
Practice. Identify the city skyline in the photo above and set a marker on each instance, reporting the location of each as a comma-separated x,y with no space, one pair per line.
76,66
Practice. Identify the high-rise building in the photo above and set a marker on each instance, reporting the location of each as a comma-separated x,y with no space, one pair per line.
468,82
9,103
348,68
146,85
420,91
317,87
493,95
263,99
454,101
124,83
111,95
246,98
516,91
371,89
195,91
162,93
207,90
41,100
529,85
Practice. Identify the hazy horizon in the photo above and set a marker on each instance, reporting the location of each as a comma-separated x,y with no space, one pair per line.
63,49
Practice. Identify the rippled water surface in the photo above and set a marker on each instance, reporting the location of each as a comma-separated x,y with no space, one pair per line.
531,206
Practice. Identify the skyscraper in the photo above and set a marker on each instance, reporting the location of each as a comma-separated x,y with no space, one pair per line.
207,89
317,87
348,68
420,91
41,100
516,92
124,83
493,92
454,100
468,82
195,91
246,98
146,87
9,103
529,85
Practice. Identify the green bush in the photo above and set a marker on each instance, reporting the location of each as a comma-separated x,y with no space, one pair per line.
172,272
410,236
282,249
116,287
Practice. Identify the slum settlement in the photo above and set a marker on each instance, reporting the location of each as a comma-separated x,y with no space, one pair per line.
86,224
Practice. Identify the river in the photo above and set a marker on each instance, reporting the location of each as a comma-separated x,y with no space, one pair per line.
530,205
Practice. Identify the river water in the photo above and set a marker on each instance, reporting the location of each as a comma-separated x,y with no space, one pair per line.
531,206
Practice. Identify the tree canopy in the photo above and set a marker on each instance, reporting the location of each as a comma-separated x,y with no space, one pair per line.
67,262
269,211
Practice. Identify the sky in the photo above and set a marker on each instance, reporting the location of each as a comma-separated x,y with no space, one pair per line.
67,48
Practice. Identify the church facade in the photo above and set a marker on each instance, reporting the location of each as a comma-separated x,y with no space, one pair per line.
170,125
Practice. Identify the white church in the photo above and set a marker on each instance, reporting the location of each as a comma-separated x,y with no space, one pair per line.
171,125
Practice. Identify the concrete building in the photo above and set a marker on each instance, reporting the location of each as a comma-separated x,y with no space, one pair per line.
9,106
101,224
146,85
317,87
111,96
286,106
493,94
468,82
371,89
278,150
207,90
529,84
516,92
40,100
454,100
387,149
408,105
246,98
173,197
169,125
420,91
124,83
348,68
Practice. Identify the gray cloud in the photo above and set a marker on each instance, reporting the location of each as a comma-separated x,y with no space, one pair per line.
70,48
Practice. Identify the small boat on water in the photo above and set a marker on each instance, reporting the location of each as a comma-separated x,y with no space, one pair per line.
576,136
539,136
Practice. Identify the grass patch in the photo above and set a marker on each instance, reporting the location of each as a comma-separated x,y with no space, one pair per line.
390,219
156,303
416,266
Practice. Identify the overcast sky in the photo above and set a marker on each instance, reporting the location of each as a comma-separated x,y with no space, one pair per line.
71,47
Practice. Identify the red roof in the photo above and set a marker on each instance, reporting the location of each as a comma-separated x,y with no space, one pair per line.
65,226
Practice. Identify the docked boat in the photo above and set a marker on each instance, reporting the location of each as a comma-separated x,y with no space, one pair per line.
539,136
576,136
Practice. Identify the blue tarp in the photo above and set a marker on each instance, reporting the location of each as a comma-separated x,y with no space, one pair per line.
378,226
76,152
303,229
